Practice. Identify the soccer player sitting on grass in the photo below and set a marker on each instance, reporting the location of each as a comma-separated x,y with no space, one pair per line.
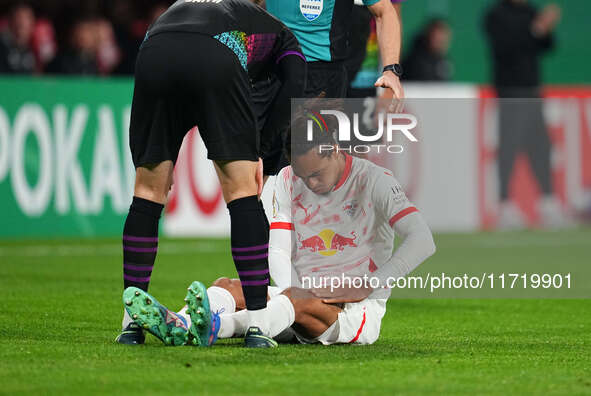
334,217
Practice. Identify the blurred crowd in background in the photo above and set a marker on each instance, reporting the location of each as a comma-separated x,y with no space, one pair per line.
102,37
94,37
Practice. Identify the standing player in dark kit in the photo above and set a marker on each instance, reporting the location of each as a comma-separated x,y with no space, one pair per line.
197,66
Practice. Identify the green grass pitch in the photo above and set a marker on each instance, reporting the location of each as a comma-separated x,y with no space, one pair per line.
60,310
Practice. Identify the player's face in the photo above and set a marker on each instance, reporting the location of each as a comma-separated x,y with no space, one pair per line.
320,174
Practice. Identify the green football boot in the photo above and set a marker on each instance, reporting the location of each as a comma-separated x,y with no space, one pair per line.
205,324
149,314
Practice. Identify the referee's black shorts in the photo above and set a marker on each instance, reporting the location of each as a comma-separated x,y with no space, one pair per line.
184,80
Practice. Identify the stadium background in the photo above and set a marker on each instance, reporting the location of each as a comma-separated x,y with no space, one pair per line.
65,169
568,63
65,186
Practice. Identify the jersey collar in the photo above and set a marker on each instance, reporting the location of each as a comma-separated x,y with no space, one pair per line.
346,172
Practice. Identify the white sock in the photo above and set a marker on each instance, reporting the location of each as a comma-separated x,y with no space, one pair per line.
126,319
278,316
233,325
185,315
258,318
219,299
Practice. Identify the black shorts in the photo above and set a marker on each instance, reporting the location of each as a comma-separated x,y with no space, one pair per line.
329,78
184,80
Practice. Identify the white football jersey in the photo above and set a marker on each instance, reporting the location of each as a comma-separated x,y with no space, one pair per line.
347,231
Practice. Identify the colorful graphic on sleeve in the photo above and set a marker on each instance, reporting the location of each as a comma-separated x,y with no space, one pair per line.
260,46
253,48
236,41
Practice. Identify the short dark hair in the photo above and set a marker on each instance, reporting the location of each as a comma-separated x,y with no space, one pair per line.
297,143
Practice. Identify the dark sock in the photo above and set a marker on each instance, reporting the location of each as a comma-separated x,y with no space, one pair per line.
250,246
140,242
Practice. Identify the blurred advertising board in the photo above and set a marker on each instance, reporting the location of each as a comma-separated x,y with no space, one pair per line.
65,166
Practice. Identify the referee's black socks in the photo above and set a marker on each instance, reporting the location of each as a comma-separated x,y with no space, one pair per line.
250,247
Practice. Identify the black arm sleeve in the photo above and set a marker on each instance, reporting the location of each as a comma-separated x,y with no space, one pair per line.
291,71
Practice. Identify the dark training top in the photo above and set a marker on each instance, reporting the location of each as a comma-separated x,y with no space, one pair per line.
266,49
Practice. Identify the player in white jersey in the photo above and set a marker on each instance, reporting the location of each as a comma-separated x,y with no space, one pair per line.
334,217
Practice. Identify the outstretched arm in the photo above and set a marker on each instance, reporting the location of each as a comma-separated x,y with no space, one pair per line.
390,41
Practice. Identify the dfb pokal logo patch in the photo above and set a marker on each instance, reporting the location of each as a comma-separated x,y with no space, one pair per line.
311,9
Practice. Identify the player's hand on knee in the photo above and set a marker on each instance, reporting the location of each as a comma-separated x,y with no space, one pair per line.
343,294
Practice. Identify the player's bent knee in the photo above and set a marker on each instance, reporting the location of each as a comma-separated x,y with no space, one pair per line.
232,285
224,283
235,288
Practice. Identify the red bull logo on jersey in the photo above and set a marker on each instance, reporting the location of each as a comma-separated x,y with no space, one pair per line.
327,242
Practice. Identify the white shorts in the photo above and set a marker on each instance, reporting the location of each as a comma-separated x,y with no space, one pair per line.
358,323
